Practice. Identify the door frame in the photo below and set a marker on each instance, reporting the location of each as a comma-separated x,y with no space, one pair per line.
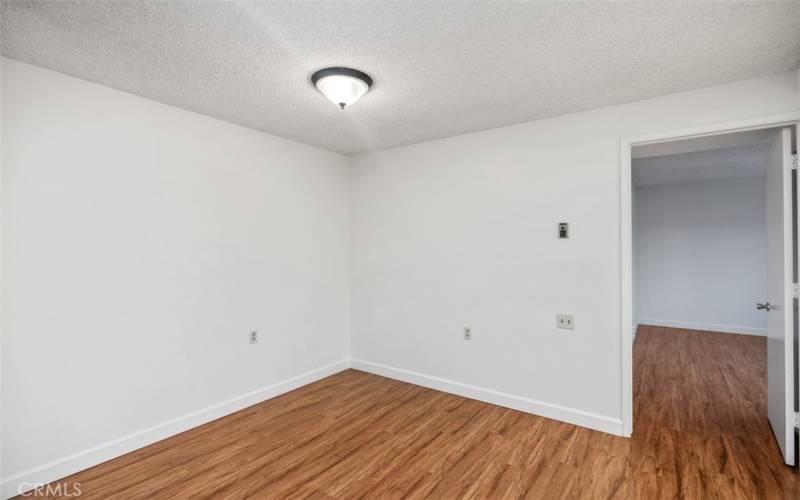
626,233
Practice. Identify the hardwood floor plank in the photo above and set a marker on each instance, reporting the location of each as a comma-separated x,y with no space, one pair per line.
700,432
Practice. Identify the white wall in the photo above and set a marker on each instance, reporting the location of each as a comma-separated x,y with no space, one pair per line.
797,87
634,263
462,231
2,371
701,255
141,243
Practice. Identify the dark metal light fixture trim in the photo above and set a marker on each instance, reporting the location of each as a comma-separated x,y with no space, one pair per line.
340,70
342,86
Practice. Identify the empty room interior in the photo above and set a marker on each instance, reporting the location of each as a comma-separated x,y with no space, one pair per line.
404,249
700,290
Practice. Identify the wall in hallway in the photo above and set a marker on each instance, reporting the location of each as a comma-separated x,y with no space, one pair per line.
701,255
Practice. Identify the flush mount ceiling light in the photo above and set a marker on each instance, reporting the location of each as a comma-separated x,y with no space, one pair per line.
342,86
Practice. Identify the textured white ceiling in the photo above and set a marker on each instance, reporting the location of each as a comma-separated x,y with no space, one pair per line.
440,68
716,164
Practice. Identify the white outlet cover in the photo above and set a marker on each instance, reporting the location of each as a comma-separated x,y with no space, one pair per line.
565,321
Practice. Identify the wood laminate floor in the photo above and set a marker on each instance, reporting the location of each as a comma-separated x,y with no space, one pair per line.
700,432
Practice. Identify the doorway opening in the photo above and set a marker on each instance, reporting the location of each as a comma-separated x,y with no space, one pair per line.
709,266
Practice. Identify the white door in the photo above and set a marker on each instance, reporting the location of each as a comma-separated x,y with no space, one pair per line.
780,297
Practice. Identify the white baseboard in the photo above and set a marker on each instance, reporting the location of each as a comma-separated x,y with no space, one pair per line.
708,327
556,412
81,460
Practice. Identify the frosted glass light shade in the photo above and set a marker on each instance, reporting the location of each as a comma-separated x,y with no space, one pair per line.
342,86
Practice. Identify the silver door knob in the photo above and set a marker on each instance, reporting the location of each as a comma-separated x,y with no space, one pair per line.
765,306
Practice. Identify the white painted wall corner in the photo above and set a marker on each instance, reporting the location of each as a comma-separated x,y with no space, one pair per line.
65,466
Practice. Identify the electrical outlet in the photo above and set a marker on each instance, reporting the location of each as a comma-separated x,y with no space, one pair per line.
253,336
565,321
467,333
